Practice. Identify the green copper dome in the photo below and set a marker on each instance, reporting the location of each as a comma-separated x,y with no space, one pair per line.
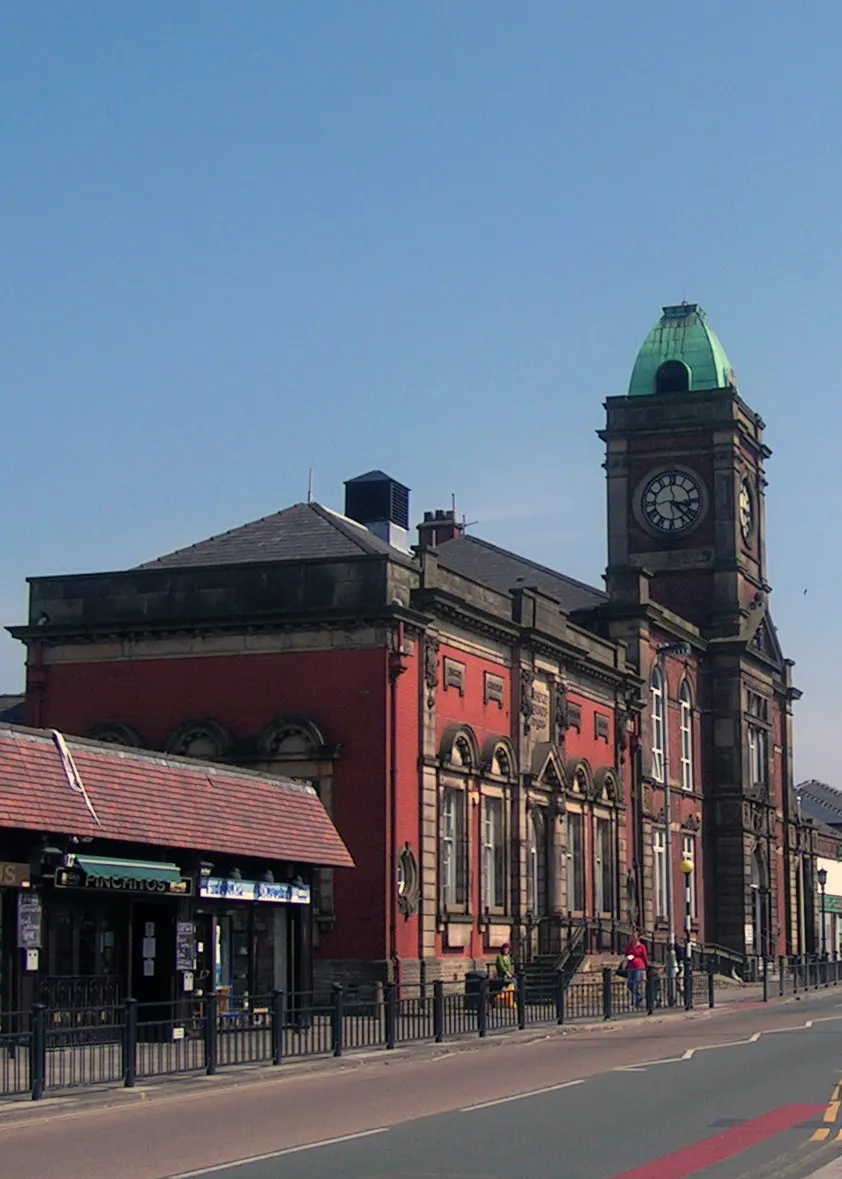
681,355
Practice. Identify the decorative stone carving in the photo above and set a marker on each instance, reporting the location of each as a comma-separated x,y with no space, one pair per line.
431,669
454,675
621,734
408,882
562,714
493,689
526,703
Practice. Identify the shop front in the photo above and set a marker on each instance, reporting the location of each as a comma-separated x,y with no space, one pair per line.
120,877
252,937
109,931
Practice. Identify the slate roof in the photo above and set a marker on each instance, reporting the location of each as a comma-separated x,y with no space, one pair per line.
299,533
821,802
173,802
12,708
504,571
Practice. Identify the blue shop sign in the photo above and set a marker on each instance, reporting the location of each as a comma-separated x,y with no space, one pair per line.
254,890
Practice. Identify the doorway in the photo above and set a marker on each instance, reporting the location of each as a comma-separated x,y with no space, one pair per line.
152,960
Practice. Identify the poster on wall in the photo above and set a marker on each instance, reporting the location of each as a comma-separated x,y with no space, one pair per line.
29,921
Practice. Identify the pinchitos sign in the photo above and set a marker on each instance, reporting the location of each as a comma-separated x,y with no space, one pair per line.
72,878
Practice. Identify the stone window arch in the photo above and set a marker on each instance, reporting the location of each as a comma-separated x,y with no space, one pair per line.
685,712
458,749
204,739
498,759
117,733
292,737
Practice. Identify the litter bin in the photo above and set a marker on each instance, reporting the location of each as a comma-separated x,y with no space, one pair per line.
473,982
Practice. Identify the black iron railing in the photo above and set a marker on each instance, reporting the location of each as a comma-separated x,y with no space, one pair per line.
50,1049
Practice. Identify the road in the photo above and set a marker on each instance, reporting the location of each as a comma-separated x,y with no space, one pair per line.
749,1091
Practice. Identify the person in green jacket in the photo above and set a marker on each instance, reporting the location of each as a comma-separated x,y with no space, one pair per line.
504,965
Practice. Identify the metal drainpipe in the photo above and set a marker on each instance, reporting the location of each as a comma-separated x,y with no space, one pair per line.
397,666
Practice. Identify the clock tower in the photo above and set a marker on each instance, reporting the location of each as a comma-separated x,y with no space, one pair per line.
687,571
686,486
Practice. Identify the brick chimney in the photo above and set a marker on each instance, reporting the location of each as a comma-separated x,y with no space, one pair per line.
437,527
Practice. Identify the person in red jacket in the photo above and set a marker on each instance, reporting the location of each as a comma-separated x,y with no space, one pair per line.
637,960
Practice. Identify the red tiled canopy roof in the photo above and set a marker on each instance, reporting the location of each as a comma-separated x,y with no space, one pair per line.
143,797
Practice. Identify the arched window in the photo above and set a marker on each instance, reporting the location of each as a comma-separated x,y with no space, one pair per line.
685,703
536,866
658,726
672,377
452,848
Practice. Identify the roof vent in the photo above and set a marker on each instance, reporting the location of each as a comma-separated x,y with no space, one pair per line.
382,505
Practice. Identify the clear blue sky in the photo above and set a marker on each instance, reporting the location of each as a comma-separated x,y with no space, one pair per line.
243,239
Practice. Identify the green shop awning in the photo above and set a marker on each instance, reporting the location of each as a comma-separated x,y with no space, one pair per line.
139,870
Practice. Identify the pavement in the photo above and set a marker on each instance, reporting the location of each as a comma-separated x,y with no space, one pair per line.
745,1090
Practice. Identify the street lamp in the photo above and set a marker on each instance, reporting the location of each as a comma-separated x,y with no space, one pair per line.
687,872
672,965
822,879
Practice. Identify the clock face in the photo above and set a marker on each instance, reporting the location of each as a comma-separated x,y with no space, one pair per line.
672,502
746,508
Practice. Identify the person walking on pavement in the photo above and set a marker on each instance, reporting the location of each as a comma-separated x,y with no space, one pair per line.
637,961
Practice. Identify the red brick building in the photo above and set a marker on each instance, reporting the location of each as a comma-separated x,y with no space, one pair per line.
490,736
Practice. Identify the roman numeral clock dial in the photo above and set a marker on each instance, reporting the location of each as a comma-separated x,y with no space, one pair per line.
671,502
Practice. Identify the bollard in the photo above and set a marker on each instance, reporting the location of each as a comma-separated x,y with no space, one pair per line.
781,969
482,1007
607,992
438,1011
711,986
391,1015
38,1050
130,1043
210,1033
520,996
765,979
559,997
277,1027
336,1020
650,990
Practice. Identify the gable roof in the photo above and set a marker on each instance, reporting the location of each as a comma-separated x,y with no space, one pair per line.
765,642
503,571
298,533
175,802
821,802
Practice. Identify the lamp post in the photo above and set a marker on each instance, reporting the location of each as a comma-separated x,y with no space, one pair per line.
821,875
687,872
672,965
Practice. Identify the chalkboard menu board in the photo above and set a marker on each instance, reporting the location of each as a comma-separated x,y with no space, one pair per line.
185,949
29,921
